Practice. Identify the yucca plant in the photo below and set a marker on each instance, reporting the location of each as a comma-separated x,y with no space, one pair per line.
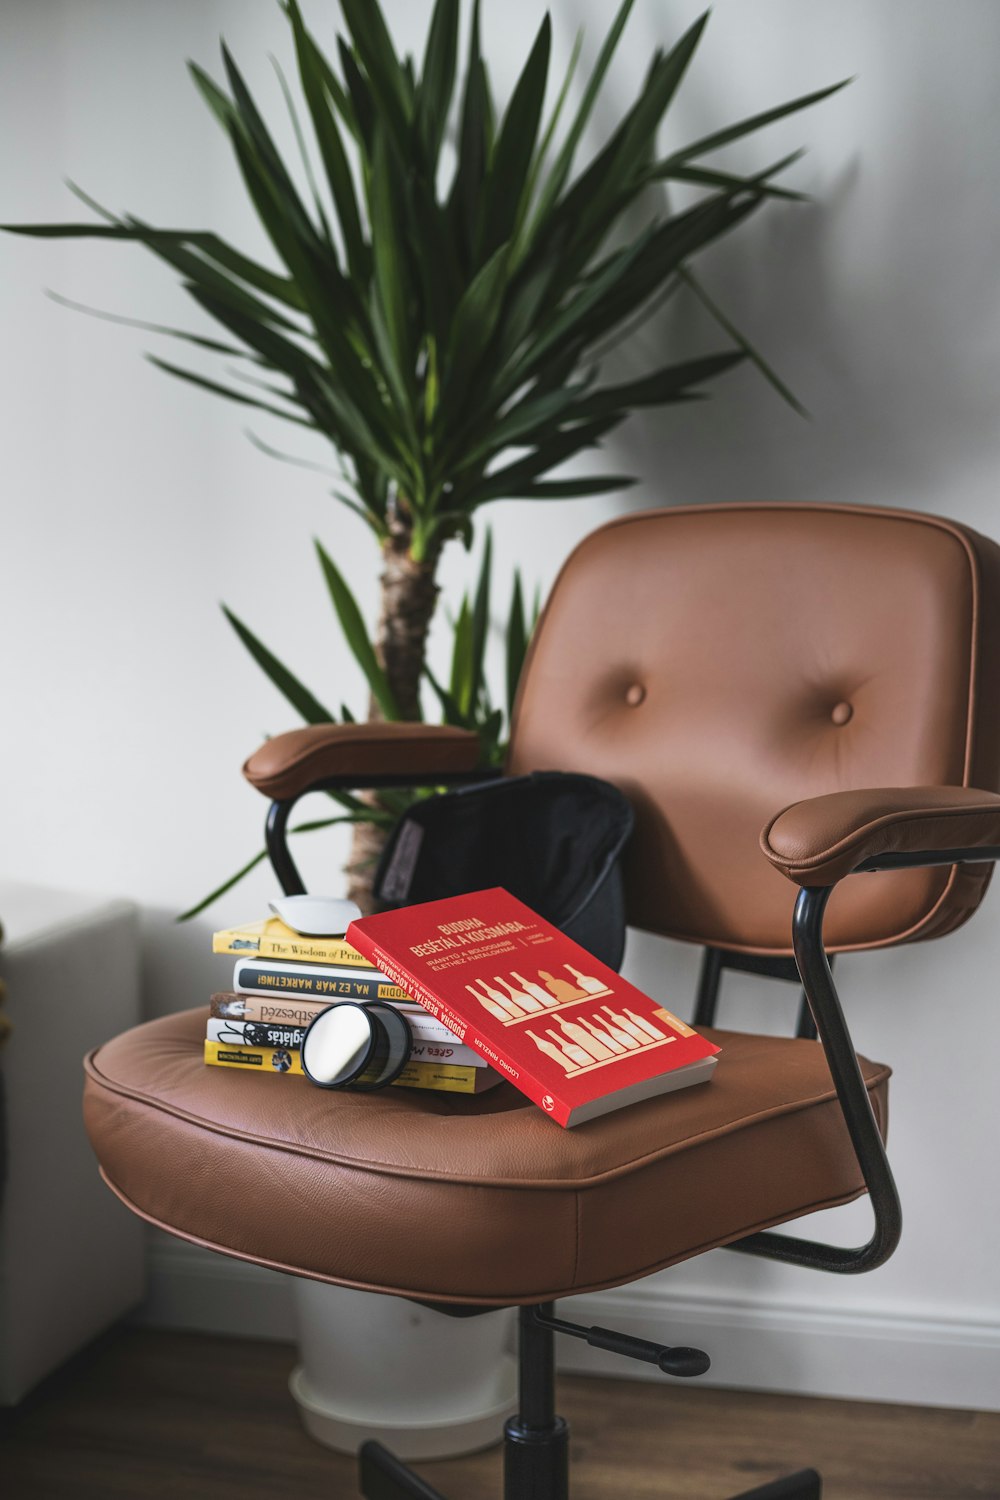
440,315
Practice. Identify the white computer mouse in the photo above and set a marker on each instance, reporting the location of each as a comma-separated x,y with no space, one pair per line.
315,916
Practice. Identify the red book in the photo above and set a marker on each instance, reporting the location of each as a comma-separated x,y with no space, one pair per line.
564,1028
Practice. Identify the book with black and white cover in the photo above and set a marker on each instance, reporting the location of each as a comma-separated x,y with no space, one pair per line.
263,1034
327,982
290,1010
449,1078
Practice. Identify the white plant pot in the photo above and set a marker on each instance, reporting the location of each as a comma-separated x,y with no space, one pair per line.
424,1384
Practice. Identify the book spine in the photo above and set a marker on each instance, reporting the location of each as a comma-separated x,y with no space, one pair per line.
274,1010
455,1054
251,978
232,1007
228,942
260,1059
449,1078
419,992
254,1033
247,1033
443,1080
279,1010
525,1081
300,950
296,949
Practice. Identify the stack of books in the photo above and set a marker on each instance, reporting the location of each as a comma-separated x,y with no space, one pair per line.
281,980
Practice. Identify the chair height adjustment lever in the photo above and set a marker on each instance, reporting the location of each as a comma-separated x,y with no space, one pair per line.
680,1360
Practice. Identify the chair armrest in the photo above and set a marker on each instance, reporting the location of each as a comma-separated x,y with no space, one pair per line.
819,841
292,763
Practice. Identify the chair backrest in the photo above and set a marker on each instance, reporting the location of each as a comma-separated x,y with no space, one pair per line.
720,662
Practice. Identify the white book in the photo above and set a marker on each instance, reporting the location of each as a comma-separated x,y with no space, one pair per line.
433,1044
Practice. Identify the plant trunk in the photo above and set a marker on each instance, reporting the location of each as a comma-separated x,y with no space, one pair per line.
408,596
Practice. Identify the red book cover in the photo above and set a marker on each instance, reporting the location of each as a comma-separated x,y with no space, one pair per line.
569,1032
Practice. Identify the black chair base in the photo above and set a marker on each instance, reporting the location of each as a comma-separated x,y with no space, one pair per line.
382,1476
805,1485
538,1472
536,1441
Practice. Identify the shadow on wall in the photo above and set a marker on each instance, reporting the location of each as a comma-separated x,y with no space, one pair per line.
879,305
179,969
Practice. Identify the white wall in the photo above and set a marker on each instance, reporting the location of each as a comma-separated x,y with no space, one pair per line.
132,505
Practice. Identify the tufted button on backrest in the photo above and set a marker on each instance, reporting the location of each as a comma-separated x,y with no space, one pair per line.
776,652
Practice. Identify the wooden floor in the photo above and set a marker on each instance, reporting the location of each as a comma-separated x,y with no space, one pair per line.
145,1415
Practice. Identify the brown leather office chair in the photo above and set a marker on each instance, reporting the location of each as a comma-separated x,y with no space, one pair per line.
731,669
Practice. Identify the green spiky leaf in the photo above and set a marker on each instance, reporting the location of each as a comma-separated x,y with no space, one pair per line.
355,633
517,643
285,681
437,80
509,177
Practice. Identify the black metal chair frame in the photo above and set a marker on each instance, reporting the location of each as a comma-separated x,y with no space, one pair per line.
536,1440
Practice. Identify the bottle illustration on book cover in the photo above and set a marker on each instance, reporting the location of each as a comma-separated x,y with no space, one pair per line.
623,1038
527,998
603,1036
583,1045
551,1050
498,997
579,1057
577,1049
590,1044
588,982
629,1028
522,998
561,988
543,996
644,1025
495,1006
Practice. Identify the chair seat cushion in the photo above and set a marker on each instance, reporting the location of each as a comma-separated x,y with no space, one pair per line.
465,1199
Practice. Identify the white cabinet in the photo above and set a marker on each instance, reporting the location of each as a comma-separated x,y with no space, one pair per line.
71,1256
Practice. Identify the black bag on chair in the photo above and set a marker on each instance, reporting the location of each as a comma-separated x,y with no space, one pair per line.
553,839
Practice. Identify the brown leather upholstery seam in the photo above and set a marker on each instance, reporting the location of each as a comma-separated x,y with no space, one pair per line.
880,1075
541,1294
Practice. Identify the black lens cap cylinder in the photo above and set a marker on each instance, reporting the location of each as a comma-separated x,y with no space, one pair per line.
399,1038
354,1046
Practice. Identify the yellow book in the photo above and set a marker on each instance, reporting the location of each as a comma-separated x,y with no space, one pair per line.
450,1078
272,939
447,1078
260,1059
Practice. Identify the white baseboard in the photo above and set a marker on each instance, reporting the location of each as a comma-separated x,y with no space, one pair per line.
801,1349
197,1289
